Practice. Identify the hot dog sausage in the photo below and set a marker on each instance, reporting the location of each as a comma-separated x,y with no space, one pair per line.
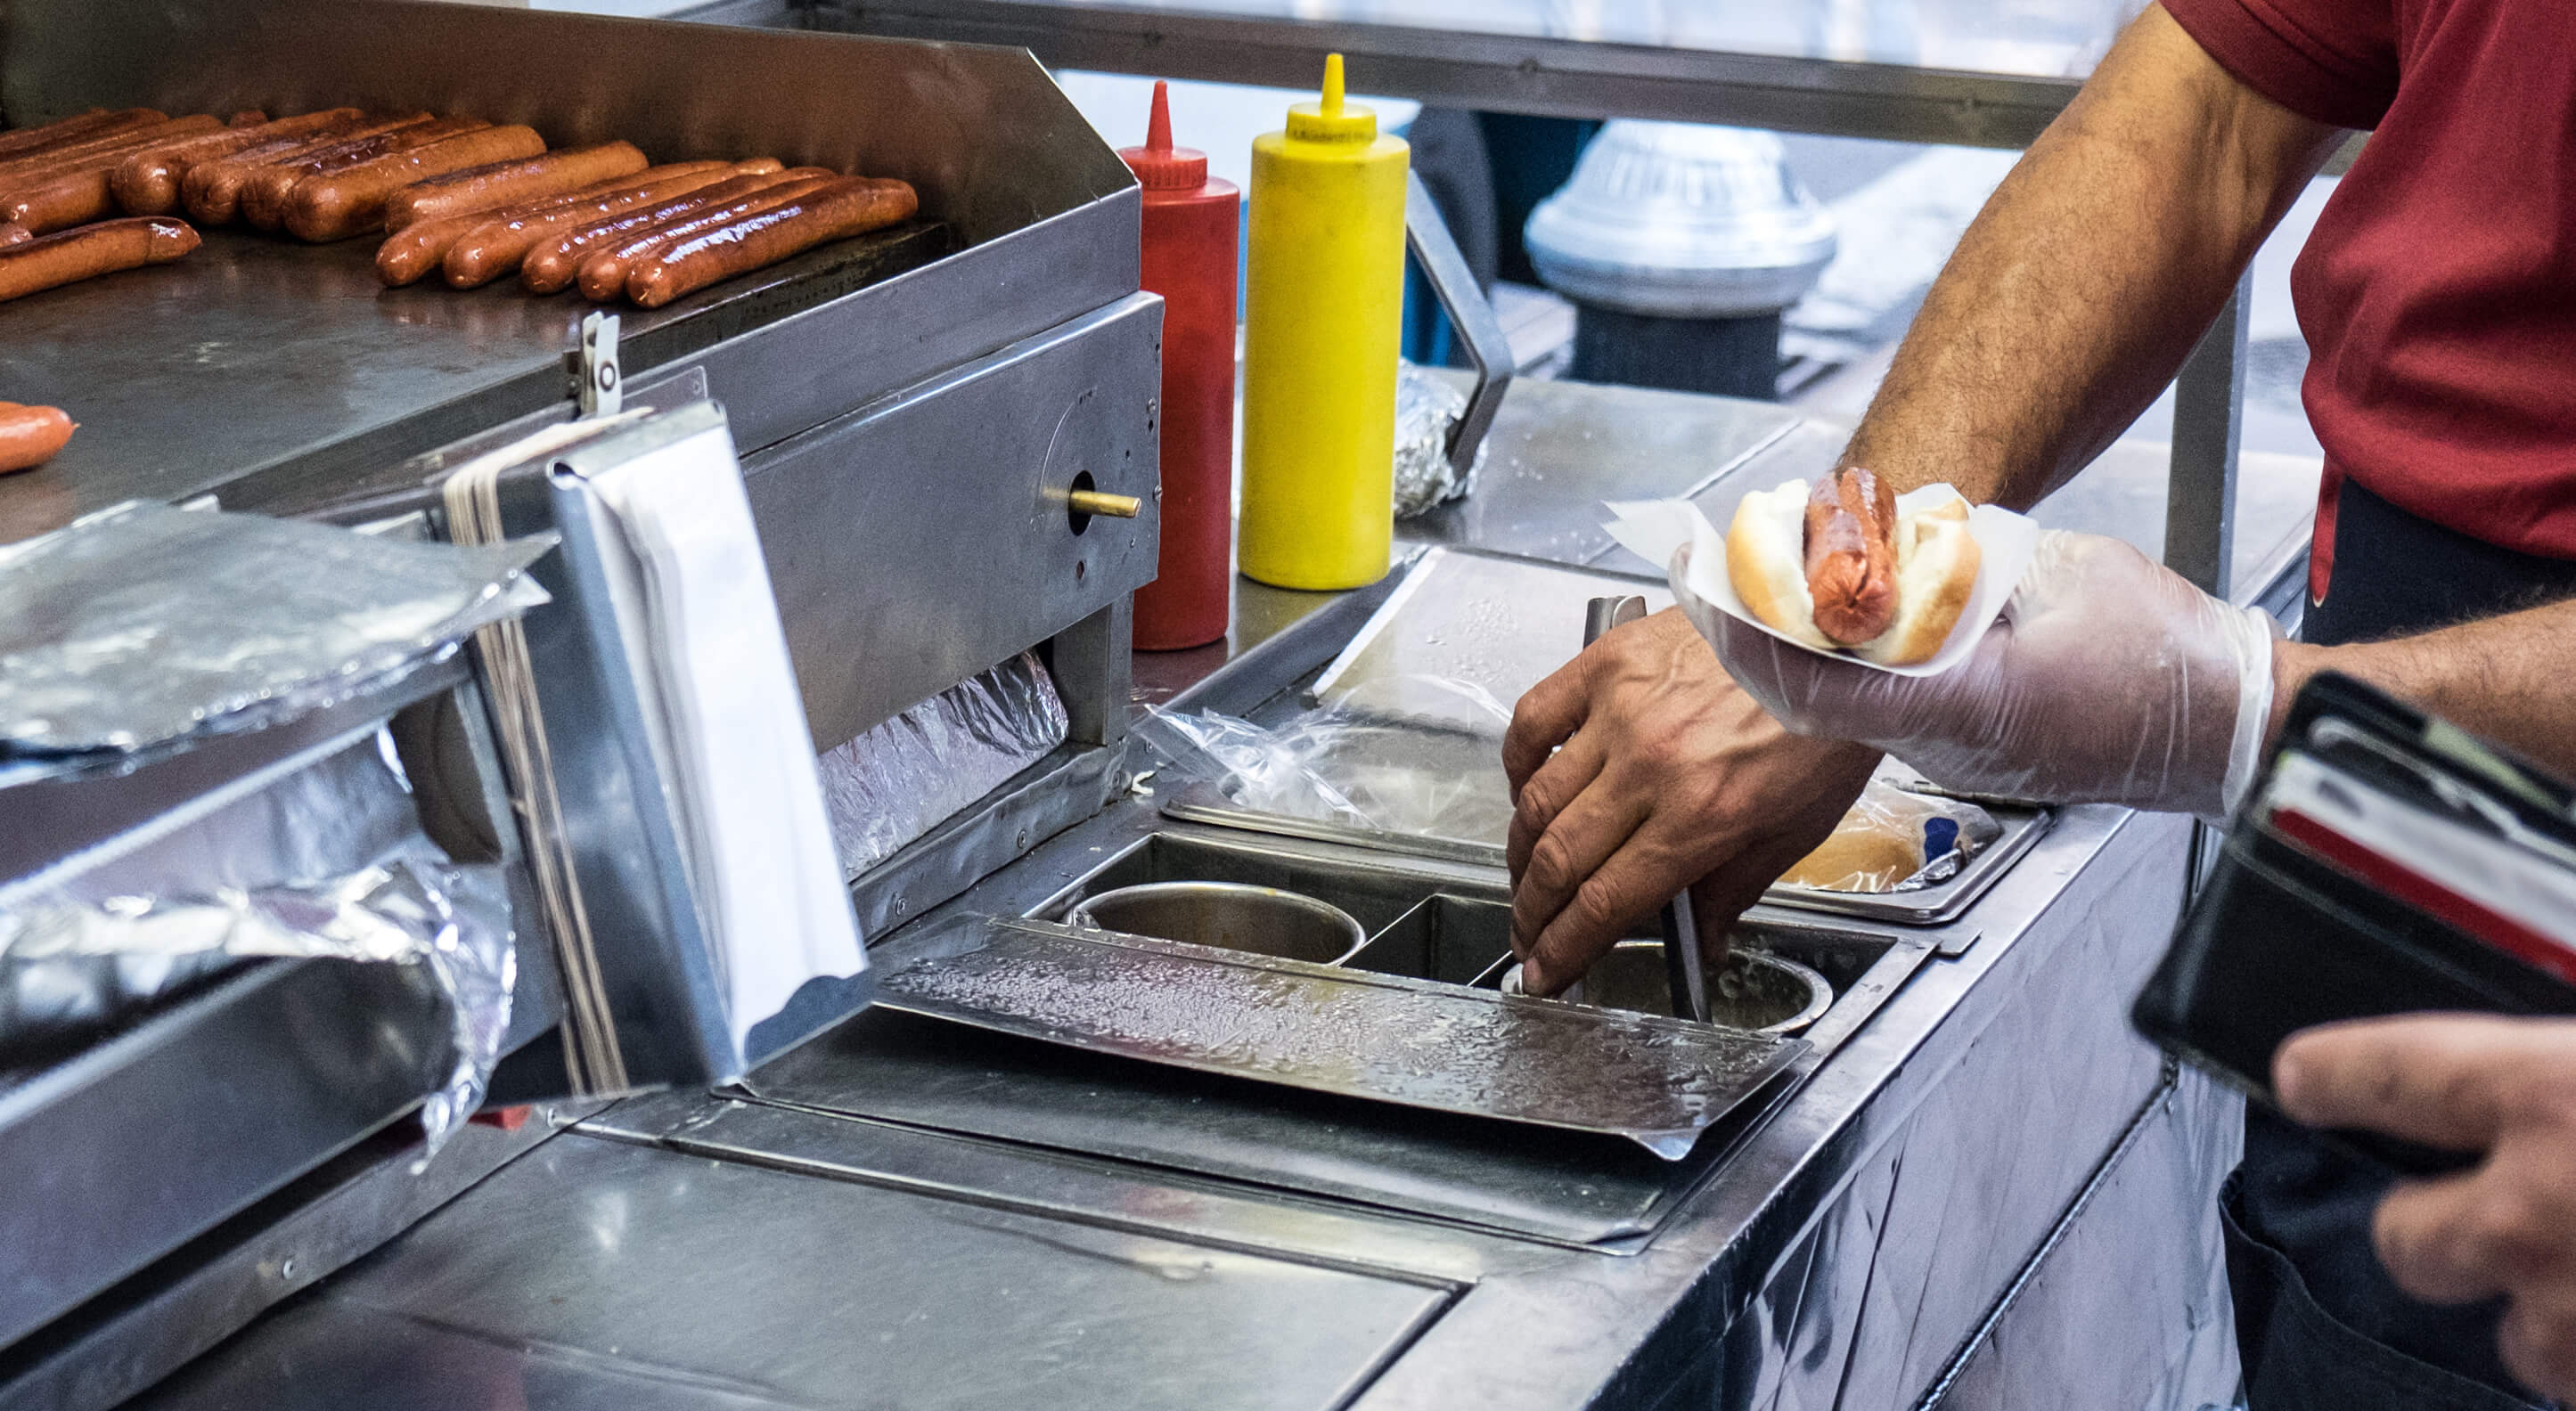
24,141
211,190
264,197
415,251
96,122
488,188
147,183
93,250
836,212
12,233
495,248
553,266
343,204
1851,555
29,436
105,151
21,164
602,275
75,190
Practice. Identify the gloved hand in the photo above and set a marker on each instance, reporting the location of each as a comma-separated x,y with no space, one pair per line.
2109,679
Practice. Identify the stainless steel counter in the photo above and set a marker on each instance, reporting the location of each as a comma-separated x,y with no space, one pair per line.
860,1225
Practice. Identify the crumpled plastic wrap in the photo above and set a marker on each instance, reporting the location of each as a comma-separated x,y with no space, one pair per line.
900,779
1894,840
140,624
1425,409
1355,762
66,964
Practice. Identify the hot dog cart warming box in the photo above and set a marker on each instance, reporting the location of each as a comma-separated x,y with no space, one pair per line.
910,409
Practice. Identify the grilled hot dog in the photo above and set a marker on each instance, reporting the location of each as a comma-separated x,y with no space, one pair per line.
602,275
418,249
553,266
500,245
26,141
92,250
498,184
211,190
835,212
352,202
29,436
1851,555
74,190
264,197
147,183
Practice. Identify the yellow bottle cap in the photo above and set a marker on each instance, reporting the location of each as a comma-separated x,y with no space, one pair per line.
1332,120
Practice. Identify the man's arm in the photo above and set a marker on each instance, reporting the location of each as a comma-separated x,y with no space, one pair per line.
2077,293
2069,303
2505,678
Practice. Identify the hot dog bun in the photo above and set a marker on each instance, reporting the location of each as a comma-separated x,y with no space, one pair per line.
1936,572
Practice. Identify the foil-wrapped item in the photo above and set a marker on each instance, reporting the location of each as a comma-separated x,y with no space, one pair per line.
1425,409
140,624
900,779
67,964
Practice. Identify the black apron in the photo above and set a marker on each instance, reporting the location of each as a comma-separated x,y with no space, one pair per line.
2319,1323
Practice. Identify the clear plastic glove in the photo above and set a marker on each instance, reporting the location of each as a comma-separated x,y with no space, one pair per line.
2109,679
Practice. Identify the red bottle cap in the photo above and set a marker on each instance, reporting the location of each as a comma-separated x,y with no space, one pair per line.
1158,164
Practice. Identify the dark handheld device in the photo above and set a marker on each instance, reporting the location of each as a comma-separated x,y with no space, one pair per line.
2385,862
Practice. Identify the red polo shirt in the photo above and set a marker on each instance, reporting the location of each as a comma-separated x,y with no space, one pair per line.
2438,293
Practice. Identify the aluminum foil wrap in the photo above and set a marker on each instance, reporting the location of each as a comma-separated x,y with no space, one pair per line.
1425,409
898,780
140,624
66,963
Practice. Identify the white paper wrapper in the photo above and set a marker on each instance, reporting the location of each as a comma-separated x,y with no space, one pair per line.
1655,530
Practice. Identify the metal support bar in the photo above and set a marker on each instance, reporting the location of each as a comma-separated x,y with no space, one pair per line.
2208,422
1470,312
1460,68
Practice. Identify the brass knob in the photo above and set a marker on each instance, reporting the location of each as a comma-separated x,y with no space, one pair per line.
1103,503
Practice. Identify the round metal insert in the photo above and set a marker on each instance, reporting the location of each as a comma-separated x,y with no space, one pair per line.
1752,990
1228,915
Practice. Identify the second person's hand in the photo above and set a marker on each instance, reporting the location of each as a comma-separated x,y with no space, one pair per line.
1640,769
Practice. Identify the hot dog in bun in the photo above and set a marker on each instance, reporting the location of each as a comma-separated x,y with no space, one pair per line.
1836,567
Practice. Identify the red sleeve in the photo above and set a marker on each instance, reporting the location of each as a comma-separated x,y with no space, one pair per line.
2331,60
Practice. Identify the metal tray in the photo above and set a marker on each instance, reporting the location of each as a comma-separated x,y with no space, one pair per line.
1935,905
1658,1082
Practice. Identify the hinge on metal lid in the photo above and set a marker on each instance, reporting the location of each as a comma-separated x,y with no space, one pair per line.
596,383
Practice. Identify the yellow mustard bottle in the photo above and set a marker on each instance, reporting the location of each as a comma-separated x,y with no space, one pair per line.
1323,309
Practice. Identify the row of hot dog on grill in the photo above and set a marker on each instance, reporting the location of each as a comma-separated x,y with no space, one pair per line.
459,197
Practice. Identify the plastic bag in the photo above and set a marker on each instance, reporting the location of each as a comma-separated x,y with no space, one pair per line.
1362,760
1896,841
898,780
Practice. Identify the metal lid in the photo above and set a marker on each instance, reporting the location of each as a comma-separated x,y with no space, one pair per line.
1681,221
1160,166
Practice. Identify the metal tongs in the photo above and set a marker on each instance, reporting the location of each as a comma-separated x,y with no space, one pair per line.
1684,968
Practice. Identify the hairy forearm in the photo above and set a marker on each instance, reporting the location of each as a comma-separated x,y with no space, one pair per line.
2079,289
2503,677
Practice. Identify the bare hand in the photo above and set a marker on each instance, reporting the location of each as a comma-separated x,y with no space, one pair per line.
2505,1087
1664,775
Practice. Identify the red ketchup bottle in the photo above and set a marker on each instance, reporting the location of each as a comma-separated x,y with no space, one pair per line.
1192,225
